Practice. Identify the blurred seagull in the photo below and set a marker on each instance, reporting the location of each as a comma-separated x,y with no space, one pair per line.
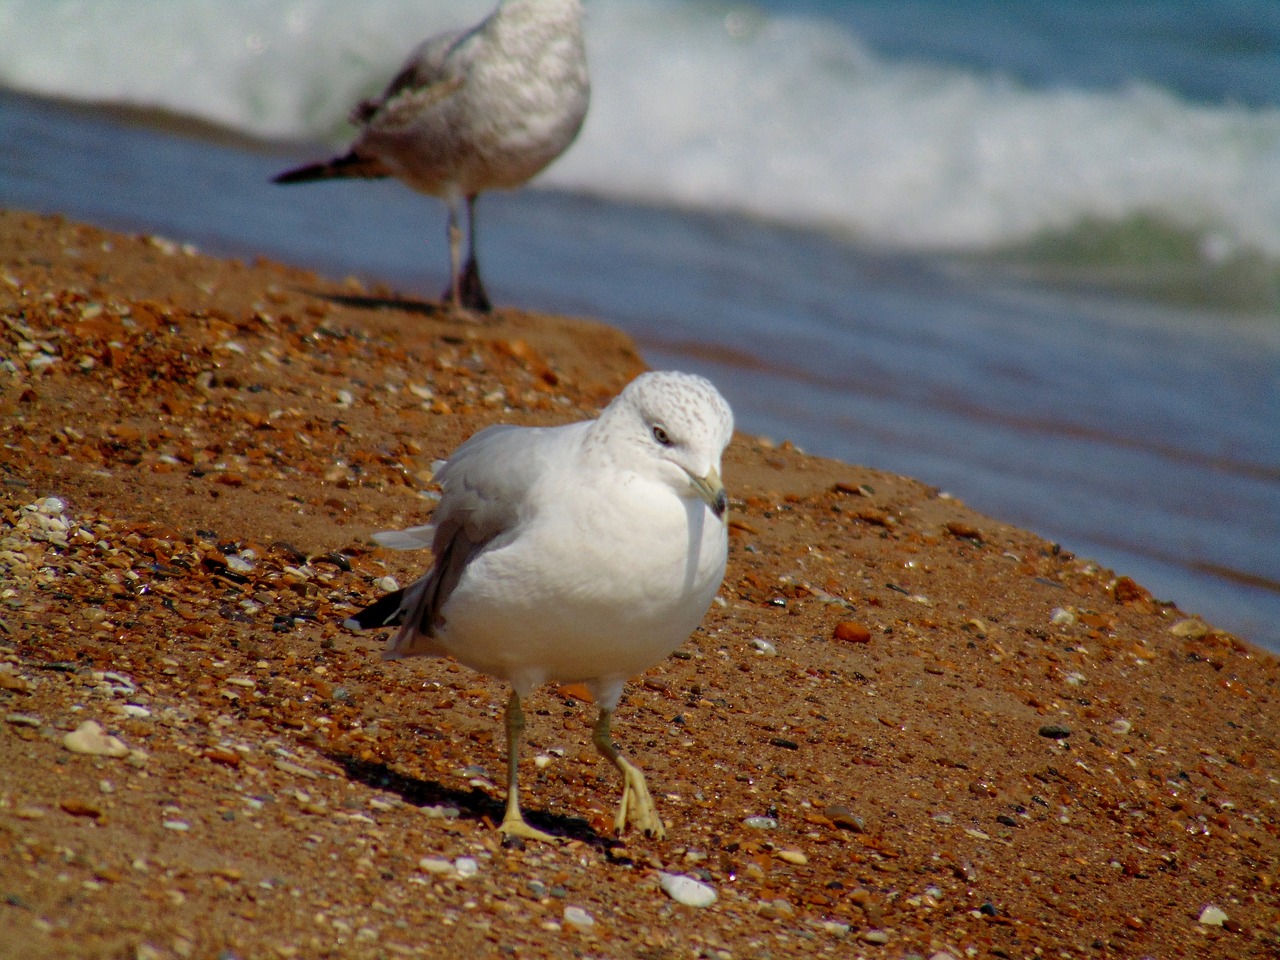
582,553
473,110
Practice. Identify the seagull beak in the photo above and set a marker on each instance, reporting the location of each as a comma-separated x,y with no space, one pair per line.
711,490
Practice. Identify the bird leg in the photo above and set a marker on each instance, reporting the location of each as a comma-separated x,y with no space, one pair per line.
453,295
513,824
470,289
637,805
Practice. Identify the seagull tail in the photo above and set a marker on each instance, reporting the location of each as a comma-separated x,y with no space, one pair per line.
386,611
401,608
346,166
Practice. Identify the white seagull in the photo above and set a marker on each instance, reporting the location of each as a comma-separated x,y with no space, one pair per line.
472,110
583,553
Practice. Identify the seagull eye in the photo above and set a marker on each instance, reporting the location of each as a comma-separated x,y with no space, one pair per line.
661,436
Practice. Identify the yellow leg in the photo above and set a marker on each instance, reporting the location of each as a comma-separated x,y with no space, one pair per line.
637,806
513,824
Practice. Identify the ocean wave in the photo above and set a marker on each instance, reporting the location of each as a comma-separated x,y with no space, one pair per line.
719,107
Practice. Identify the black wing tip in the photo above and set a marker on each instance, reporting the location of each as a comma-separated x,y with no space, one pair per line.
384,612
305,173
347,165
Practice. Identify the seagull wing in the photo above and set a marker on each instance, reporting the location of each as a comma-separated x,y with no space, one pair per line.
486,486
434,71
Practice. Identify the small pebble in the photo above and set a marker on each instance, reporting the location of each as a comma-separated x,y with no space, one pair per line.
389,584
1212,916
875,936
963,530
686,890
1192,628
79,808
50,507
844,818
778,909
89,738
14,684
576,916
761,823
466,867
434,865
764,647
179,825
238,564
794,857
440,812
1054,731
851,631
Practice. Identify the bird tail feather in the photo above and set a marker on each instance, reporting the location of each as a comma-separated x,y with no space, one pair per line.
401,608
346,166
387,611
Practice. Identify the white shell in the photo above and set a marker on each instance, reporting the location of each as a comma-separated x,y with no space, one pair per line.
686,890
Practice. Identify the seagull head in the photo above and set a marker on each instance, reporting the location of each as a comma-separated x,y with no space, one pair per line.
682,424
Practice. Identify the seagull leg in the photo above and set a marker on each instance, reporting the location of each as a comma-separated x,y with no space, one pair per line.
453,294
637,805
470,288
513,824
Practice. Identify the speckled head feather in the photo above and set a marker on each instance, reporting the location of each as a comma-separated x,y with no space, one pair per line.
686,406
679,420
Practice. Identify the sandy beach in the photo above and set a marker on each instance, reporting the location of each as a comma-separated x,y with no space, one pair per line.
905,729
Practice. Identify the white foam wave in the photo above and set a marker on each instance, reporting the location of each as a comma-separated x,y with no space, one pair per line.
713,106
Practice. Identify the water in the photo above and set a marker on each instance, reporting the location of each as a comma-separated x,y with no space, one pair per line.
1026,252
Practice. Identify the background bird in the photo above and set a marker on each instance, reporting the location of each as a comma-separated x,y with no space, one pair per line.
473,110
583,553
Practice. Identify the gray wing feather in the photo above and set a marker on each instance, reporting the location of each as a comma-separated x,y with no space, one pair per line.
485,495
433,71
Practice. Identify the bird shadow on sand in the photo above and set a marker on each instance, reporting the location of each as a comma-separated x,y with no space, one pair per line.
426,308
472,804
434,309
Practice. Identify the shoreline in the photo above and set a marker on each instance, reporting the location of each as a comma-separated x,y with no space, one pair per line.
907,363
968,738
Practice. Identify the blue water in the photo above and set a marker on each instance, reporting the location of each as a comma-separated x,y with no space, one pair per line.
1211,52
1026,252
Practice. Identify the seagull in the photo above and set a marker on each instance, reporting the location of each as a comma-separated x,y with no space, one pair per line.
583,553
472,110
